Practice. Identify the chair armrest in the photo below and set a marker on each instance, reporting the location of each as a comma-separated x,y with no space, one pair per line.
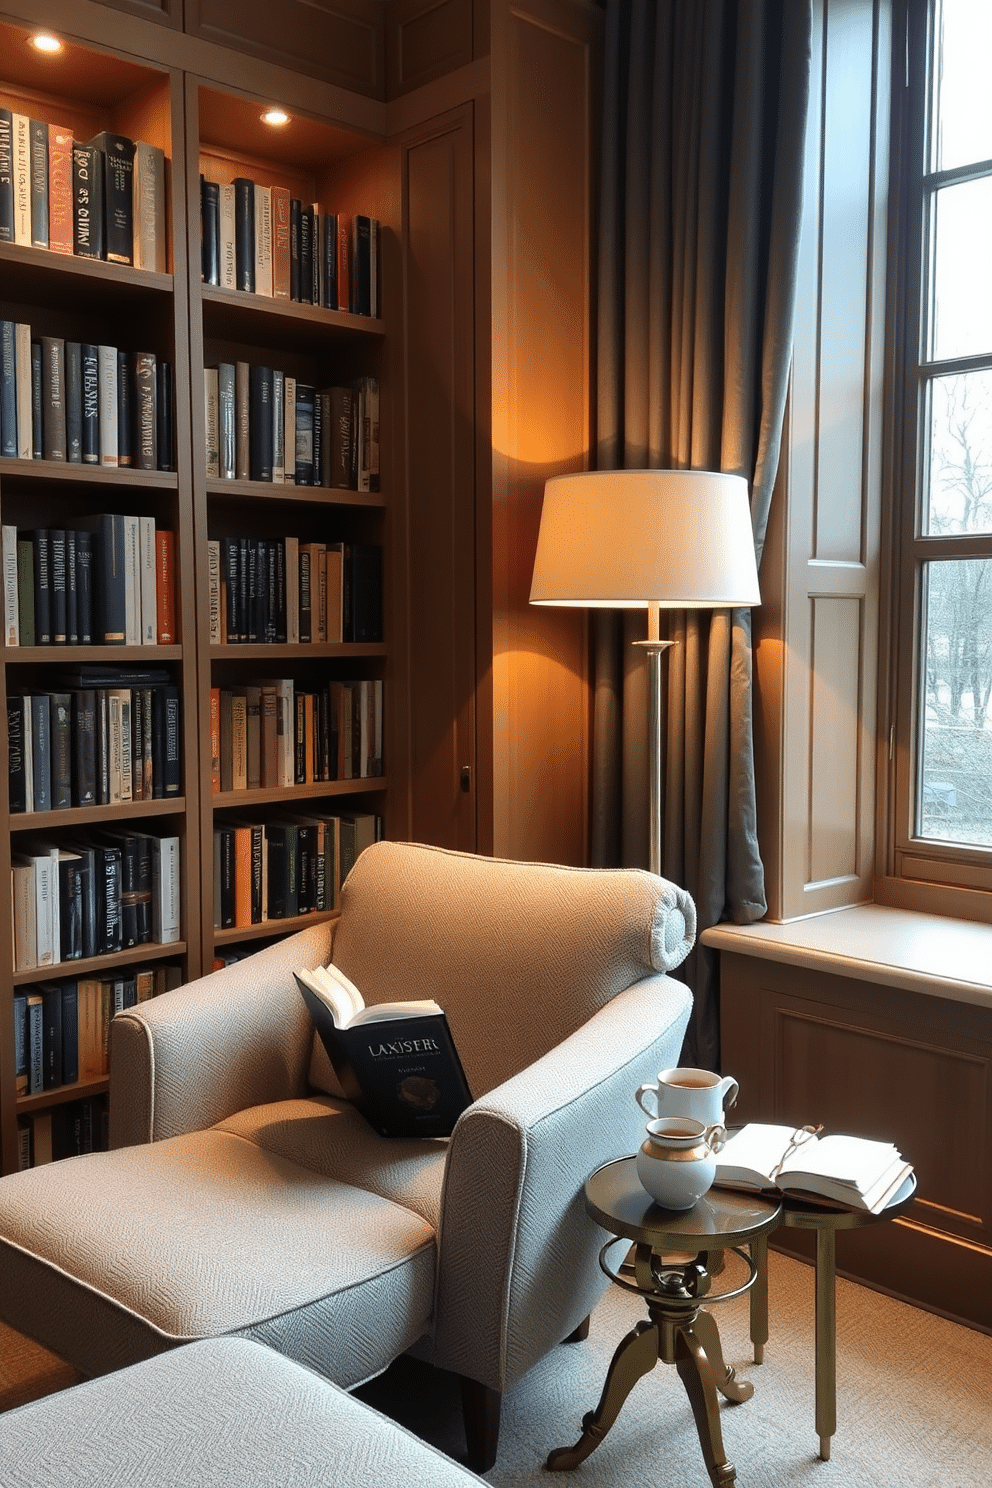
518,1255
236,1038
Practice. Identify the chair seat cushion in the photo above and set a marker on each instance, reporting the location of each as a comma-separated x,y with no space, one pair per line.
247,1228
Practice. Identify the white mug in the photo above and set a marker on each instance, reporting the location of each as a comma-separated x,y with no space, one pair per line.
697,1093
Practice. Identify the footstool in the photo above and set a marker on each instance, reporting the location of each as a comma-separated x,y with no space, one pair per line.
222,1413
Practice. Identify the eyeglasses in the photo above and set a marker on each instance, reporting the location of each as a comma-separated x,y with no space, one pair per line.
799,1138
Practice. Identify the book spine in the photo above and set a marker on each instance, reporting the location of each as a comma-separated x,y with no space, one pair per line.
60,712
125,411
53,399
84,746
149,207
263,240
211,427
37,403
71,589
73,384
60,207
278,427
22,179
362,259
145,412
56,559
41,751
25,591
164,421
280,243
38,131
306,255
16,764
87,197
118,197
148,564
260,426
305,399
8,387
295,213
165,586
6,176
84,587
165,890
112,580
226,420
11,621
329,283
210,231
214,591
90,437
42,587
344,262
244,224
23,390
228,238
107,396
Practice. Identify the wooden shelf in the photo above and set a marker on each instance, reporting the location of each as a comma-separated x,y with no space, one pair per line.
272,928
94,965
61,472
58,1095
287,795
81,818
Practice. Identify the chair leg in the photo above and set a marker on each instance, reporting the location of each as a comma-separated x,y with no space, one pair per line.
580,1334
481,1409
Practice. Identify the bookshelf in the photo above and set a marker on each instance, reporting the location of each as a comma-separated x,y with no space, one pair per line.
214,130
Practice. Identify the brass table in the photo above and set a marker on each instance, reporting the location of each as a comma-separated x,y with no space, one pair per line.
671,1272
799,1214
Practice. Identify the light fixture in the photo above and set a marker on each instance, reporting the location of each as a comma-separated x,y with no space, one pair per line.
646,539
275,116
44,41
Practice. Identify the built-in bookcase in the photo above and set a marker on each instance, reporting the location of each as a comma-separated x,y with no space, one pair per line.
315,163
212,130
77,299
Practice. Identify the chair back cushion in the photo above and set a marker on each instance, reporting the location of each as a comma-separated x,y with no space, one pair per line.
519,955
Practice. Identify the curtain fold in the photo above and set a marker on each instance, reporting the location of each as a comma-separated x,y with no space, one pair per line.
704,116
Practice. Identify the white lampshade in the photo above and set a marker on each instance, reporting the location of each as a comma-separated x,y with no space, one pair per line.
627,539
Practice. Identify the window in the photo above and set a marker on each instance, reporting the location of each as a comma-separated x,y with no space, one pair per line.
942,785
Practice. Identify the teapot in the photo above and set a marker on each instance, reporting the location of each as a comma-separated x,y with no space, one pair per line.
676,1163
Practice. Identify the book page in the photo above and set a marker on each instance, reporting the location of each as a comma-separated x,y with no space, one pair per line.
855,1160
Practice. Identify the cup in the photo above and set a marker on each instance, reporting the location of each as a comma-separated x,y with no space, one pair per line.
696,1093
676,1163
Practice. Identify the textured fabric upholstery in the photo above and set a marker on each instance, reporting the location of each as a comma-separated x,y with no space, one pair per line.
239,1201
219,1414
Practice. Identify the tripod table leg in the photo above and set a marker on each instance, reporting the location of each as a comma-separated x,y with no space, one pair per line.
636,1355
697,1377
724,1375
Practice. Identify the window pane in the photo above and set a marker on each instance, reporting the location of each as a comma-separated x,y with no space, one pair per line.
959,499
963,121
962,305
955,788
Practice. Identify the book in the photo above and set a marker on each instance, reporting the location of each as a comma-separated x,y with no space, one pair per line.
852,1172
53,399
118,196
165,587
164,421
6,176
280,243
244,229
23,390
228,248
125,412
226,415
74,402
210,231
107,402
87,201
11,621
60,213
396,1061
38,131
90,436
263,240
8,387
149,207
260,424
144,410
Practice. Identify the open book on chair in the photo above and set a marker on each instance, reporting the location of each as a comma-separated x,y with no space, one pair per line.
395,1061
854,1172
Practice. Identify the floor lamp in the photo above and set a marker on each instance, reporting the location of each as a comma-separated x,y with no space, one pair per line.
646,539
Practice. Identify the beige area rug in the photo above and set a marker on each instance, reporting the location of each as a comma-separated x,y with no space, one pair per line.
914,1399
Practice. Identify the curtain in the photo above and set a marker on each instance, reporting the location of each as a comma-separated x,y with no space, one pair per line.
704,118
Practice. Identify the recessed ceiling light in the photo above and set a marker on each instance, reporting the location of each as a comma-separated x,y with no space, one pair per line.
44,42
275,116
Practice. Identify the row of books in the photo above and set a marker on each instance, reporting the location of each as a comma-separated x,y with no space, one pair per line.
262,424
278,869
279,733
88,898
62,1028
67,1130
110,581
83,404
103,198
282,590
265,241
93,746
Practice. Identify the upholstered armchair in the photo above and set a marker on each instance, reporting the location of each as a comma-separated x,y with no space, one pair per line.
243,1195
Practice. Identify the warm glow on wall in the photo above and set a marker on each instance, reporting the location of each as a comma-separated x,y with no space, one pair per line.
45,42
275,116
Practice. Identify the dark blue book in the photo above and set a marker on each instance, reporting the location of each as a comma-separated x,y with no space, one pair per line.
260,433
73,391
329,279
305,398
70,1033
118,196
41,539
84,587
87,201
37,403
164,427
244,233
209,231
125,413
71,591
51,996
295,215
6,176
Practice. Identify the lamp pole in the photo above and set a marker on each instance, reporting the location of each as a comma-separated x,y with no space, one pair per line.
654,649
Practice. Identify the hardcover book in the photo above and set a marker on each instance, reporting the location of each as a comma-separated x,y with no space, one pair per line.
396,1061
118,196
850,1172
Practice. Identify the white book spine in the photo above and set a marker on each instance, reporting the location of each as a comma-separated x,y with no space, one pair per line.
22,179
43,890
22,375
211,422
107,386
286,731
165,889
25,917
263,240
149,582
228,254
213,588
11,621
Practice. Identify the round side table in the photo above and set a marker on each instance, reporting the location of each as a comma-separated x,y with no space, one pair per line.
800,1214
671,1272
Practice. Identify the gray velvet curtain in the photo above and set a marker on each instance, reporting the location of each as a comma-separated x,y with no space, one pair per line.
704,116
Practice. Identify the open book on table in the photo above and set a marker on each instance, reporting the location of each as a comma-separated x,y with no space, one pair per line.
396,1061
854,1172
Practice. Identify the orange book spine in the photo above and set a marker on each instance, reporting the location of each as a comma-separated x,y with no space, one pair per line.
242,876
215,740
344,261
165,586
60,189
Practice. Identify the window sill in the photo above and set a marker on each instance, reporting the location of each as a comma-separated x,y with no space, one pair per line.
927,953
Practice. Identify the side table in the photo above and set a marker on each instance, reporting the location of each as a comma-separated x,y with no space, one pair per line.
800,1214
680,1330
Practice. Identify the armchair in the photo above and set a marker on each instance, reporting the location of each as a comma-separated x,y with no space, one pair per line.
242,1195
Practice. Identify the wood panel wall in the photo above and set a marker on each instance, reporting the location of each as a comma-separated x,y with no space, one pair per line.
816,656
